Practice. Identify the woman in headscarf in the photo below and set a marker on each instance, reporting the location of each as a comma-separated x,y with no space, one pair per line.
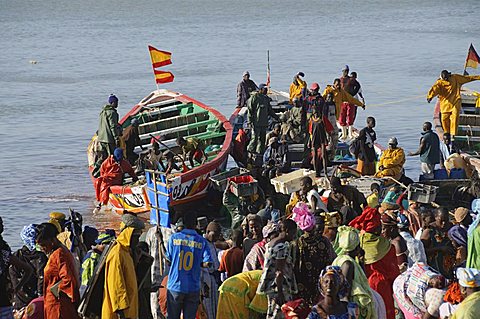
61,284
381,265
332,287
314,253
390,231
256,257
458,237
332,221
469,280
278,279
358,291
37,260
7,259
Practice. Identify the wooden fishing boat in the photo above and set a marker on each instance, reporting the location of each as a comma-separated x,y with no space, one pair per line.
280,103
168,115
467,139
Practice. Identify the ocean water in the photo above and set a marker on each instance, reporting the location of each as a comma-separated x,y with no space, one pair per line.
86,50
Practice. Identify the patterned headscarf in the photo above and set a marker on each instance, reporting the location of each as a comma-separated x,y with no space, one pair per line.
303,217
28,235
336,272
468,277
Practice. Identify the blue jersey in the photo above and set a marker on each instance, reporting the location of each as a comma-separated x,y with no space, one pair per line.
186,252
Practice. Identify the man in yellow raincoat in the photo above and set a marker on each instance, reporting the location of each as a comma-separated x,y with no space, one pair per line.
392,160
340,96
447,88
298,88
120,297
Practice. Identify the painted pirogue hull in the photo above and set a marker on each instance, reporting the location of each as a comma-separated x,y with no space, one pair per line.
160,194
468,137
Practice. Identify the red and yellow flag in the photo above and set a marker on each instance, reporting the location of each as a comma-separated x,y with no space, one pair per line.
472,58
163,76
159,58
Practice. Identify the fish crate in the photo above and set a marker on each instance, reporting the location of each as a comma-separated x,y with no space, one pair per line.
422,193
363,184
244,185
289,183
219,181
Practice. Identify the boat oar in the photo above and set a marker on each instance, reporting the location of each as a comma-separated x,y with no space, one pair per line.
184,166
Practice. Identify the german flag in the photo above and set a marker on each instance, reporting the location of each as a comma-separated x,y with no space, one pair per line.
163,76
159,58
472,58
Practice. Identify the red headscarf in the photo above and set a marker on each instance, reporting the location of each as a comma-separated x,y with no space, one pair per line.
367,221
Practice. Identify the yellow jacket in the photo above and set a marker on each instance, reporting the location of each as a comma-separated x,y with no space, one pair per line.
340,96
469,308
121,292
392,161
297,89
448,92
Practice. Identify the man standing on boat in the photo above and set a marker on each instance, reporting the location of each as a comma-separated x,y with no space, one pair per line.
132,139
298,88
259,109
244,89
345,104
447,88
429,151
108,133
366,156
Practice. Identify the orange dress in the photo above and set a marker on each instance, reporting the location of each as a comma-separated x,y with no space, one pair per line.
61,268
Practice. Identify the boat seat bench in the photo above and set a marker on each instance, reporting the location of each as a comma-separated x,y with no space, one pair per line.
173,122
179,128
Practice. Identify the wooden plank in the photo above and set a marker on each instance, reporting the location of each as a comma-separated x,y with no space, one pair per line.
173,118
170,108
179,128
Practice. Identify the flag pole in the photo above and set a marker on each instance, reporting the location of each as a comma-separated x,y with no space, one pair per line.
268,70
153,68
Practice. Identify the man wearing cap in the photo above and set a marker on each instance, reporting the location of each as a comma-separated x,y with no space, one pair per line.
458,234
345,104
244,89
259,109
120,297
345,79
429,151
447,88
392,160
469,280
132,139
108,133
111,173
314,98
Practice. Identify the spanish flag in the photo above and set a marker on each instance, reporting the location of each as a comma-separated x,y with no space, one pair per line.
472,58
159,58
163,76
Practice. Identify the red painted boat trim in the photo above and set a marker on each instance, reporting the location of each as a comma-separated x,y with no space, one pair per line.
221,157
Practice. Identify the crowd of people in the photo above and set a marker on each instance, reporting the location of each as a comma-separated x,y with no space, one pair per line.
330,254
